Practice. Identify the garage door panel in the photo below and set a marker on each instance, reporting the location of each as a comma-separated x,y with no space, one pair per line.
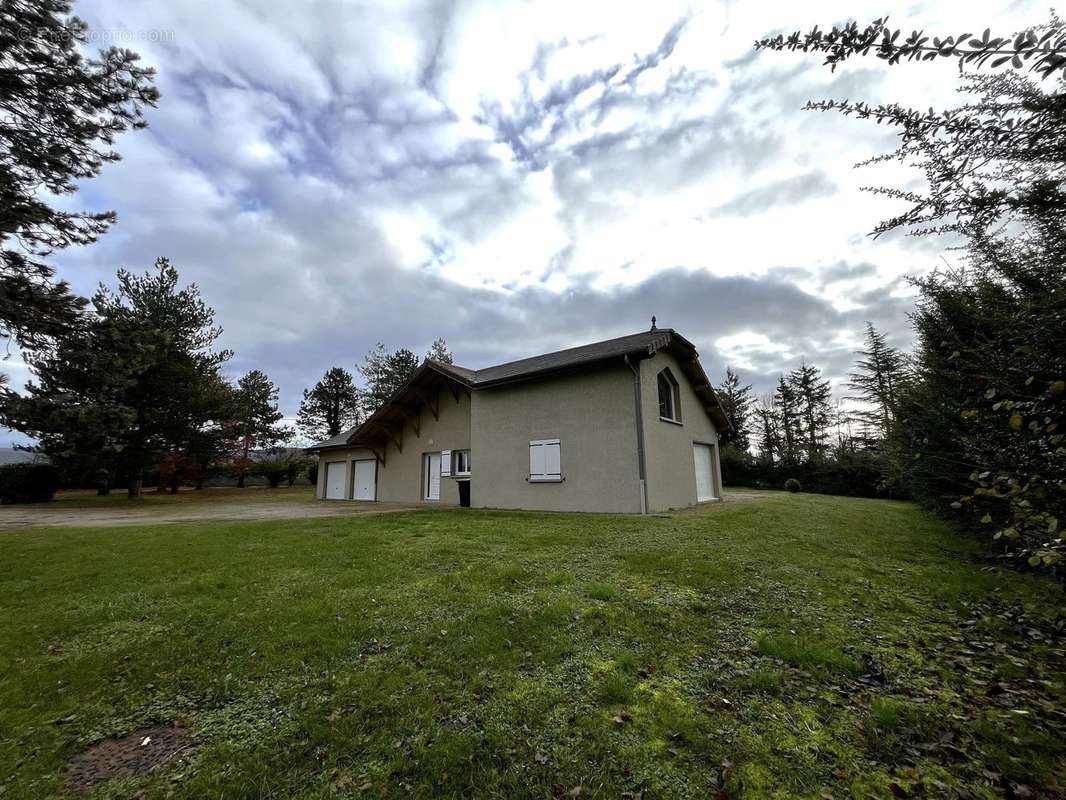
702,458
364,483
335,480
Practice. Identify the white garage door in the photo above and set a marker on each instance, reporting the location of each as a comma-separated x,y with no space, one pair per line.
335,480
365,478
701,455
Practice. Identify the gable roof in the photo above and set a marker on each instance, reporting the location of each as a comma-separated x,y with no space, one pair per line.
13,455
434,374
645,343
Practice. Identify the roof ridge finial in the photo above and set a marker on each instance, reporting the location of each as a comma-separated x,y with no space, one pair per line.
653,322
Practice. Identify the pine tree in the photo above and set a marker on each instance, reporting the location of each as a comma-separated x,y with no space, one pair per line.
61,114
813,398
136,378
439,351
770,446
737,403
255,421
879,377
788,422
331,406
384,373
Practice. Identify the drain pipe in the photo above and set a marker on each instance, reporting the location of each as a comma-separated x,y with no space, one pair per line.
640,436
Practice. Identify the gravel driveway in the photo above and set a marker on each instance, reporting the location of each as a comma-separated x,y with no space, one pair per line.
43,516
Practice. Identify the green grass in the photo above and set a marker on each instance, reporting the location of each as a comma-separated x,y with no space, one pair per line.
812,653
783,646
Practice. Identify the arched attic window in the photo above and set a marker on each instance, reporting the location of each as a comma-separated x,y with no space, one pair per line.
669,396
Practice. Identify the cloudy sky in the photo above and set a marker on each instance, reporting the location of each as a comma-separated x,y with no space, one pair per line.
516,177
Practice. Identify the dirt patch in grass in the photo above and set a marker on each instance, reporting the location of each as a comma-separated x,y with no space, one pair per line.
136,753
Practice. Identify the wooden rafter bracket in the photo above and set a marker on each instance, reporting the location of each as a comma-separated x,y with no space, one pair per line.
431,403
414,419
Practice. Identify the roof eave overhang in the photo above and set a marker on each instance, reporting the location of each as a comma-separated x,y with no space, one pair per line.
403,403
550,372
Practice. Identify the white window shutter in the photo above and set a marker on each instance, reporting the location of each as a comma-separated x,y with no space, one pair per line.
552,461
445,463
536,460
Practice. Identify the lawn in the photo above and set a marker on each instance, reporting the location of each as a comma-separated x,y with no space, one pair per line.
782,645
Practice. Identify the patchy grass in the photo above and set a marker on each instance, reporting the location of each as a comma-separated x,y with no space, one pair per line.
786,645
809,652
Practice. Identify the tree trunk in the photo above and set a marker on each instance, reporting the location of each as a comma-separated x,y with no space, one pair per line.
134,491
244,461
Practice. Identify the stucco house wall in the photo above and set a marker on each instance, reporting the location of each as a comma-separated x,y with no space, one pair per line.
592,413
575,410
399,479
671,481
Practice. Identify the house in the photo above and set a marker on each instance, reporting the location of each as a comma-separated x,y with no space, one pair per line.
626,425
13,455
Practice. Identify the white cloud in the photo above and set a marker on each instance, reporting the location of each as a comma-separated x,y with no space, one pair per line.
333,173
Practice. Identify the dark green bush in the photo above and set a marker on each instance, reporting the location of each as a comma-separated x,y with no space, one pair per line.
793,485
312,474
275,475
738,467
28,483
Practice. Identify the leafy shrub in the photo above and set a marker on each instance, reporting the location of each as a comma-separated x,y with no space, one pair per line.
793,485
985,431
275,474
312,474
282,465
28,483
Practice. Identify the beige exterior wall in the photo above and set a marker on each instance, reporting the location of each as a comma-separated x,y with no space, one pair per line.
593,414
399,479
671,472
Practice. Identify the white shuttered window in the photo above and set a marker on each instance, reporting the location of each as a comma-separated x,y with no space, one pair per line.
545,460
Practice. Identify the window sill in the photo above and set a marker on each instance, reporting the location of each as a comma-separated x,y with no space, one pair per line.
531,479
671,421
460,475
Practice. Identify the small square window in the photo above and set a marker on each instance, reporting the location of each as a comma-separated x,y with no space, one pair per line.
462,462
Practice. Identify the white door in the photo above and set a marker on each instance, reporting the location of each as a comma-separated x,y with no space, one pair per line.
702,456
364,484
432,478
335,480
